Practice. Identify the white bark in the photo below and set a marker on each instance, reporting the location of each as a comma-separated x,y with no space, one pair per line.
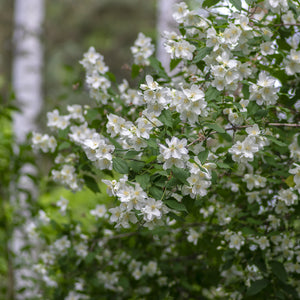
165,22
27,84
27,64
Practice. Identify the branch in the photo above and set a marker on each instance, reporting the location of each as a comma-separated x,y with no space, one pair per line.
203,138
287,24
283,124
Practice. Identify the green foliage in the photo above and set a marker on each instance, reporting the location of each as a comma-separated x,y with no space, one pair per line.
201,171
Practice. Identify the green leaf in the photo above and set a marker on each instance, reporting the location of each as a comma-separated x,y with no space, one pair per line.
174,63
152,143
279,270
111,76
212,94
166,118
135,71
201,53
236,3
64,145
143,180
63,133
222,165
275,141
92,114
254,221
175,217
252,108
180,174
209,3
203,156
157,66
120,165
156,192
136,166
256,287
175,205
290,181
131,154
245,90
215,127
91,183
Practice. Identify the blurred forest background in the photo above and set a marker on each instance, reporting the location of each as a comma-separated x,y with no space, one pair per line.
70,28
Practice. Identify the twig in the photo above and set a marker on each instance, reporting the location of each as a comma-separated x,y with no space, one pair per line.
287,24
284,124
201,138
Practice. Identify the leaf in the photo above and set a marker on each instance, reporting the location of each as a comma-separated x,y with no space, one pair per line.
64,145
290,181
175,217
152,143
92,114
180,174
166,118
245,90
203,156
63,133
275,141
91,183
143,180
279,270
253,221
212,94
175,205
157,66
156,192
236,3
209,3
131,154
135,71
256,287
222,165
174,63
215,127
120,165
136,166
252,108
201,53
111,76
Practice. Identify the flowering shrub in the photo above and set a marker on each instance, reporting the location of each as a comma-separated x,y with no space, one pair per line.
202,166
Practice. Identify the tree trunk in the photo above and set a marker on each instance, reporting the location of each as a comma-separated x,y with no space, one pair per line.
165,22
27,84
27,64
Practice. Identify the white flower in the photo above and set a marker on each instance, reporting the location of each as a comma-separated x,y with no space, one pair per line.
99,211
152,209
177,148
193,236
288,18
236,241
62,244
267,48
62,204
263,242
288,197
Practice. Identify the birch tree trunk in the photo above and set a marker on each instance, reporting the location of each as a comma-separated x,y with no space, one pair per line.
165,22
27,84
27,64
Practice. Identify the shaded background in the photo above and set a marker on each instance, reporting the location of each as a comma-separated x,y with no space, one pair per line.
70,28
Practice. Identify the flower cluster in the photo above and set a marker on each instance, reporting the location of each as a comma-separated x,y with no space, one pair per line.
142,50
201,167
